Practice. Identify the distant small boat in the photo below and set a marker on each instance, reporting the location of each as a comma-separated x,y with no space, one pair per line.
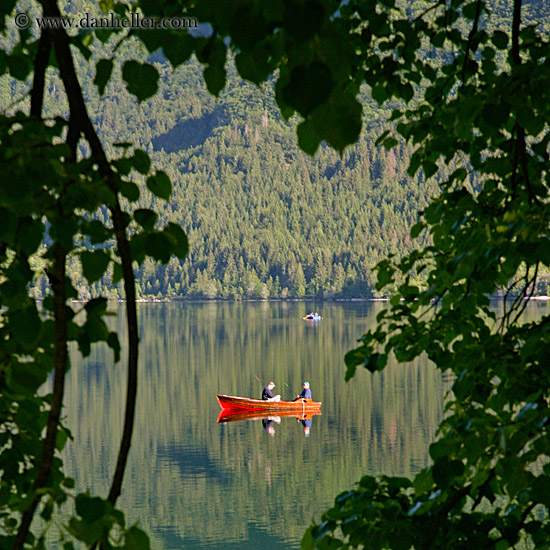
227,415
230,402
311,317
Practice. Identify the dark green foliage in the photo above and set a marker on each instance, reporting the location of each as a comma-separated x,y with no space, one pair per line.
141,79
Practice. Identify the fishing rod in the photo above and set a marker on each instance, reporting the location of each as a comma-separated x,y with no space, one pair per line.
261,381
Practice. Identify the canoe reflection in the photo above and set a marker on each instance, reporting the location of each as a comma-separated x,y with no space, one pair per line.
268,418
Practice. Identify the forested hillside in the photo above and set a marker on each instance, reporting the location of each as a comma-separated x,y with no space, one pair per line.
264,219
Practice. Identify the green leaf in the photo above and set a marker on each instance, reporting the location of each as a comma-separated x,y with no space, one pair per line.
178,240
69,482
429,167
375,362
307,542
379,94
445,471
540,490
308,139
90,533
94,264
141,161
390,143
416,229
157,245
423,482
91,509
117,273
82,42
308,87
177,47
20,66
98,232
25,325
8,225
30,235
469,10
84,343
154,38
385,273
136,539
96,306
253,65
104,68
129,190
61,439
141,79
27,379
114,344
214,55
214,77
353,359
338,121
96,329
160,185
63,230
500,40
146,218
495,114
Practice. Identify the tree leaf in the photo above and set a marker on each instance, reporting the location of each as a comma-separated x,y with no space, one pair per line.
25,326
338,121
141,79
141,161
136,539
214,76
160,185
308,139
89,508
157,245
114,343
104,68
178,240
94,264
500,40
146,218
308,87
129,190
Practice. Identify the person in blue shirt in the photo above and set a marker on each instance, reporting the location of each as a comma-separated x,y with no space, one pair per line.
306,392
268,395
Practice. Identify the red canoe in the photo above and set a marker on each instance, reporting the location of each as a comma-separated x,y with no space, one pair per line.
229,402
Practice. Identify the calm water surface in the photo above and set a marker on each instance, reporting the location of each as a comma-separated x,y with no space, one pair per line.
195,484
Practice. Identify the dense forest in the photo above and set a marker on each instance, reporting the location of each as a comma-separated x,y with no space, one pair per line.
264,219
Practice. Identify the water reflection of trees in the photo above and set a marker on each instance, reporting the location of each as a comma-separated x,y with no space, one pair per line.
186,469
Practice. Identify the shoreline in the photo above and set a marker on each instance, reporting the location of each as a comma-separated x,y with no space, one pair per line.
273,300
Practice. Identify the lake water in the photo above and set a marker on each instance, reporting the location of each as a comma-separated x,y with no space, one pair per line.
193,483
